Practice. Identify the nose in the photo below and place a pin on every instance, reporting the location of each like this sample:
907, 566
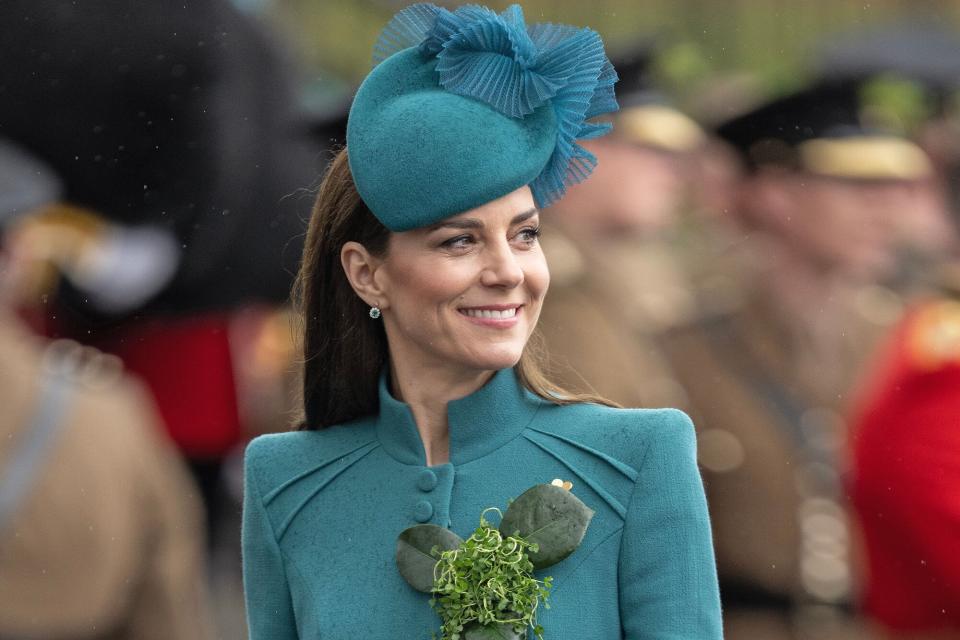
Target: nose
502, 267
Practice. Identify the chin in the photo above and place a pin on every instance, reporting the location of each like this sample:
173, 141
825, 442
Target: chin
496, 359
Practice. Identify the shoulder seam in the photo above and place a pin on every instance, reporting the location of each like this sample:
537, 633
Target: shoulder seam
285, 525
621, 466
633, 493
255, 483
273, 493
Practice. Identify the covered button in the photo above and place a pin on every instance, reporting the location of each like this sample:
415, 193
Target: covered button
427, 481
423, 511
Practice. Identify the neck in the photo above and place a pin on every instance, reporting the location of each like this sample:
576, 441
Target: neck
427, 391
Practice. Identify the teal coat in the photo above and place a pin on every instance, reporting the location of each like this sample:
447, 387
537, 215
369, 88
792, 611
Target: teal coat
323, 509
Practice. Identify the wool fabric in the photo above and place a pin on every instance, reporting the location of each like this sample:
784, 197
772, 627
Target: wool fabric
466, 106
419, 154
323, 509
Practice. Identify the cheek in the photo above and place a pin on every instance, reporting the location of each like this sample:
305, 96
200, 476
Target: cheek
537, 275
426, 302
421, 284
820, 217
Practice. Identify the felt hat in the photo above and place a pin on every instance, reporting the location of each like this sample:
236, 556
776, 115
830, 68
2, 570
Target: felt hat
463, 107
821, 130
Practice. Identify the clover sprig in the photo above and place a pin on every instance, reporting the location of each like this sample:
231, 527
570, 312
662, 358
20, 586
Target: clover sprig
488, 579
483, 587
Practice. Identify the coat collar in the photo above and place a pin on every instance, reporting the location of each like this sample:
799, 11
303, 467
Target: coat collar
480, 423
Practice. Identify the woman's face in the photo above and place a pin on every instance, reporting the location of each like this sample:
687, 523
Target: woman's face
467, 291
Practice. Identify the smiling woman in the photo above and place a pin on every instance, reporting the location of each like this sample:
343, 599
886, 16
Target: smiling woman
459, 298
420, 289
346, 245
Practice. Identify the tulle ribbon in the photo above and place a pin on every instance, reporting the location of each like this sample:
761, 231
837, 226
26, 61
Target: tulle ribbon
517, 68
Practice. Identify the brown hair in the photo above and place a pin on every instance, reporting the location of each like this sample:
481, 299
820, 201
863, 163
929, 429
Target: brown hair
343, 350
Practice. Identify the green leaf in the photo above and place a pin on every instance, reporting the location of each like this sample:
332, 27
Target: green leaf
550, 517
414, 558
478, 631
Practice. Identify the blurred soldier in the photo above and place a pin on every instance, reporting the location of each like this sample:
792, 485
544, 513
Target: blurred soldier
906, 476
905, 450
614, 280
766, 381
909, 73
176, 131
100, 526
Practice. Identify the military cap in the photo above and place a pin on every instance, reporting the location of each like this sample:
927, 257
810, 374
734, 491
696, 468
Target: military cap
821, 129
647, 116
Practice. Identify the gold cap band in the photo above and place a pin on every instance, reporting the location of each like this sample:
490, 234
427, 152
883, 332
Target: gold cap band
658, 126
865, 158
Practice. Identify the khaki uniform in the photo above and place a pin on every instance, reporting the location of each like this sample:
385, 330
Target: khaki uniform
107, 542
603, 305
767, 404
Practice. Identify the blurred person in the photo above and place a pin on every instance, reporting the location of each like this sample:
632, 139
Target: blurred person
908, 74
903, 450
905, 454
101, 530
596, 323
818, 209
176, 131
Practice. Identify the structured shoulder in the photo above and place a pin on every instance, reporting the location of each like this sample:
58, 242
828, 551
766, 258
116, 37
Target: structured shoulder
273, 459
610, 450
625, 435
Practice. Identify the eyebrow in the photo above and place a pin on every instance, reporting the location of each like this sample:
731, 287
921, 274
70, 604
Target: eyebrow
475, 223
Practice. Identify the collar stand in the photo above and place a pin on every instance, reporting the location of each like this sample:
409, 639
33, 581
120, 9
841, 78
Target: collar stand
479, 423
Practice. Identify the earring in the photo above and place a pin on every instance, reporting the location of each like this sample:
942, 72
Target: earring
374, 312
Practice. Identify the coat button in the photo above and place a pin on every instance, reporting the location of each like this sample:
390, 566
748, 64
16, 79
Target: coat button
427, 481
423, 511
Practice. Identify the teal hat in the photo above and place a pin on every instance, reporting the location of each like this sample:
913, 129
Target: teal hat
463, 107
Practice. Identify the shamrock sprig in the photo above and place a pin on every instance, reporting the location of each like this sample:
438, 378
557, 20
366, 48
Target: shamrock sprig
483, 587
488, 579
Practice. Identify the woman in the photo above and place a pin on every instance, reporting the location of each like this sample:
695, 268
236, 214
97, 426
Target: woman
420, 287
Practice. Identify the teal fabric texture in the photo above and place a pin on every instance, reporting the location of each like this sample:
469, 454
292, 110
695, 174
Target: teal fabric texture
466, 106
323, 509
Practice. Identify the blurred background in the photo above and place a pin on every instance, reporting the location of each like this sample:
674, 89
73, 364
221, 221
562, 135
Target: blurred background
769, 242
770, 41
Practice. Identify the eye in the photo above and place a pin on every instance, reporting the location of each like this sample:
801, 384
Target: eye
458, 242
529, 235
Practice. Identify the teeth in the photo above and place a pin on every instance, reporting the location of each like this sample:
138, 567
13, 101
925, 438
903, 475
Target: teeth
487, 313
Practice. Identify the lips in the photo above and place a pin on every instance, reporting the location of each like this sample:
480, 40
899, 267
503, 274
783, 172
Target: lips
488, 313
492, 312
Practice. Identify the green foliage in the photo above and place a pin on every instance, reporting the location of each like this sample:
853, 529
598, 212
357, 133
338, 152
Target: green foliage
551, 518
895, 103
417, 551
477, 631
485, 588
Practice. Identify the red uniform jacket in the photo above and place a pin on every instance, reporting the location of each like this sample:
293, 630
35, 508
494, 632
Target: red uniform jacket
905, 485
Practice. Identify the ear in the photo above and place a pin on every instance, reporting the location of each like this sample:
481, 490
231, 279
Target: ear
360, 267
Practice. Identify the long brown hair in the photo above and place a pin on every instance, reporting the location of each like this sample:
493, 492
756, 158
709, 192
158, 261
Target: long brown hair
344, 351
